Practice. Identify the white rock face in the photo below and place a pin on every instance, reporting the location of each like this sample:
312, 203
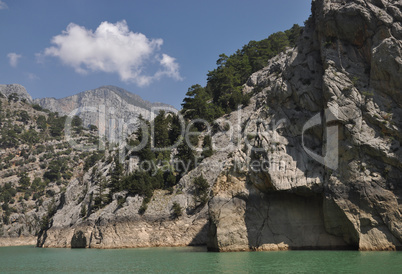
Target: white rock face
106, 107
17, 89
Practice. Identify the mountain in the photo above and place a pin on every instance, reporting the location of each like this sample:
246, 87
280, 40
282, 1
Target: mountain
113, 102
36, 164
312, 161
19, 90
38, 161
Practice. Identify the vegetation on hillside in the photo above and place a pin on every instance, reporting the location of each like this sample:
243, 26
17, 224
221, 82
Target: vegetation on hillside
223, 91
37, 163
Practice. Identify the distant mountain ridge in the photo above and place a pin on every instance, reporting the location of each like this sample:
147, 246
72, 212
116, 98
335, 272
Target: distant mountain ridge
100, 95
118, 104
115, 103
103, 92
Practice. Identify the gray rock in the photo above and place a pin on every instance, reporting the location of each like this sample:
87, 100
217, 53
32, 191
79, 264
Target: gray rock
17, 89
108, 107
348, 62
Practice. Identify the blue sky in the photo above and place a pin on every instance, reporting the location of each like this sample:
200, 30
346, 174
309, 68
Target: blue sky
156, 49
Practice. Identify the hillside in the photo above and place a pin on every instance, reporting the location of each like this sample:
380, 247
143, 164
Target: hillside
298, 148
337, 187
36, 164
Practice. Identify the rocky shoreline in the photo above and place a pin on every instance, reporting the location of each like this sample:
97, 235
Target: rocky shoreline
20, 241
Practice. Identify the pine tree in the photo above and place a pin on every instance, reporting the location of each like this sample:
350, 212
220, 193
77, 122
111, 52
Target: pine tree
207, 147
116, 176
24, 181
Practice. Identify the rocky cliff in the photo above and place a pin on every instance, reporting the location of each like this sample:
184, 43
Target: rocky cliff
313, 162
19, 90
36, 164
104, 104
36, 160
347, 70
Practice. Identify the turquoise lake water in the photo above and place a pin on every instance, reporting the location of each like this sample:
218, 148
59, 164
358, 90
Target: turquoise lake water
195, 260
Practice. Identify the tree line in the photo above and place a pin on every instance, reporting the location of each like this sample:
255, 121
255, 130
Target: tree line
223, 91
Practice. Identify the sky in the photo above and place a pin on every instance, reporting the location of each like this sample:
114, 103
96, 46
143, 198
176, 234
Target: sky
156, 49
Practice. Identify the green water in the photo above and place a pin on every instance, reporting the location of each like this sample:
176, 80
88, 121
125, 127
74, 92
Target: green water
195, 260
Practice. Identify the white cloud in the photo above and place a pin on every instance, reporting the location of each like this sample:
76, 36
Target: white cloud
13, 58
170, 67
112, 48
3, 5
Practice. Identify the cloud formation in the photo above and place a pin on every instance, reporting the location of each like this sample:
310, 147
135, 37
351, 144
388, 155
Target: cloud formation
113, 48
3, 5
13, 59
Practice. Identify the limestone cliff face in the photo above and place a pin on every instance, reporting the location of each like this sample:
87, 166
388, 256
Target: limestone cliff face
122, 226
347, 70
313, 162
108, 104
17, 89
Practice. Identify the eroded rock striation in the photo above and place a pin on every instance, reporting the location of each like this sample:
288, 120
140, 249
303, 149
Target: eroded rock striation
346, 68
103, 106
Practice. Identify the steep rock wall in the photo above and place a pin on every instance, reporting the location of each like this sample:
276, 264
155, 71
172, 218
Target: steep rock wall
345, 72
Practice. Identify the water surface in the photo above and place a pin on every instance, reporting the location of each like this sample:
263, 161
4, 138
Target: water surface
195, 260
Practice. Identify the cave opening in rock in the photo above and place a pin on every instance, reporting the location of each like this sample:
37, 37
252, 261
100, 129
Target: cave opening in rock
78, 240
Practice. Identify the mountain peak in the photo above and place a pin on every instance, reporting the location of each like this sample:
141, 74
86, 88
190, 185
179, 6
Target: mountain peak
17, 89
118, 103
